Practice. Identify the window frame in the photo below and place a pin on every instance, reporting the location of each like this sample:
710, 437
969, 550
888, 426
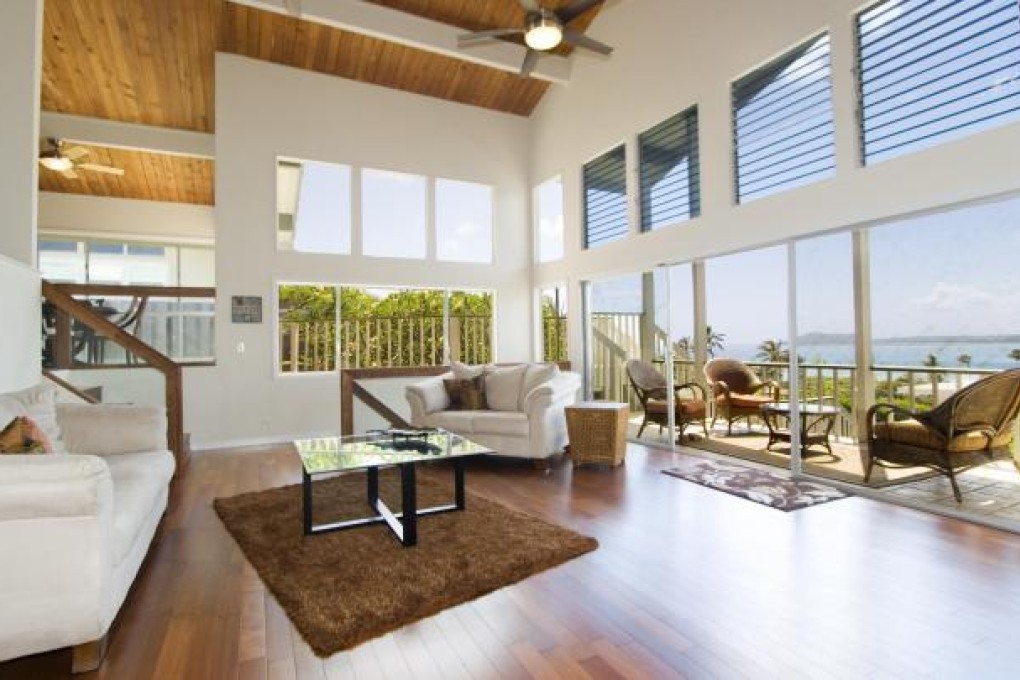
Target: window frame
585, 244
691, 119
803, 180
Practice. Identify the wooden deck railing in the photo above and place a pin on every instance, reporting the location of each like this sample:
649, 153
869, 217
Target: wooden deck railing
70, 313
384, 342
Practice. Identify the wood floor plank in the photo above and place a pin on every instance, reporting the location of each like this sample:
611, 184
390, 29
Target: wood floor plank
687, 583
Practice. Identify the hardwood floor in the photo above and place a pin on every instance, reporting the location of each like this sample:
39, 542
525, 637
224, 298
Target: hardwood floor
688, 582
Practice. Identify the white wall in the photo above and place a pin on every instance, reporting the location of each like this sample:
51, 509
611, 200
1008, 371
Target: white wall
671, 54
125, 219
265, 110
20, 336
20, 68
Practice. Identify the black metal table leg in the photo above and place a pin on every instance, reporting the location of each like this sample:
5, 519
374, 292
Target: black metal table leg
373, 486
306, 491
409, 505
458, 483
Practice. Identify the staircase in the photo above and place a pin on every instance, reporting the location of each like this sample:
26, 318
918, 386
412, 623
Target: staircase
85, 336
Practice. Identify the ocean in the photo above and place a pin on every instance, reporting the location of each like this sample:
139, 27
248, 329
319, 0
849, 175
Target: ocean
993, 355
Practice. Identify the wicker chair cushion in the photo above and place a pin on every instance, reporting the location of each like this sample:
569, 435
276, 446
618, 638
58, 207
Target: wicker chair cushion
691, 408
744, 400
913, 433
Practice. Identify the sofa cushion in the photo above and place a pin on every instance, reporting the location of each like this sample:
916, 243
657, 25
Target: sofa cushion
466, 395
139, 482
503, 388
38, 403
498, 422
454, 421
535, 375
22, 436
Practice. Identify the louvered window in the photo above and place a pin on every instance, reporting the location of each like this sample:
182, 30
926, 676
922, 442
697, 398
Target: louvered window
605, 198
934, 69
782, 119
669, 172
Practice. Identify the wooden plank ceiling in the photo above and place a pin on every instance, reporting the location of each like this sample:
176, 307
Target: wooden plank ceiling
147, 176
152, 62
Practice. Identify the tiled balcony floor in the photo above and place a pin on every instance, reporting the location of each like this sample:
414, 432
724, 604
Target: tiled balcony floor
992, 490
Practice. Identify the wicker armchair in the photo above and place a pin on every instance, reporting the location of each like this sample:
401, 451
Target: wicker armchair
971, 428
650, 387
737, 391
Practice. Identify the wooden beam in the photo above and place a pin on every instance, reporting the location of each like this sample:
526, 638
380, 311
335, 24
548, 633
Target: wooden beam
407, 29
129, 136
114, 290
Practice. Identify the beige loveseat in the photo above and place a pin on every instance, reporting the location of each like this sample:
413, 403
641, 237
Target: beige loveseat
75, 526
524, 418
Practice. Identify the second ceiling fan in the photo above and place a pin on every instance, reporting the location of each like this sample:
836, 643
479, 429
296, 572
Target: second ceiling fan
543, 30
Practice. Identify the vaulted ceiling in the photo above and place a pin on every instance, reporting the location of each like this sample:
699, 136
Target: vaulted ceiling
151, 62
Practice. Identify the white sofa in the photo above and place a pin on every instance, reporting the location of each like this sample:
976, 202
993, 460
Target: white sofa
75, 528
531, 424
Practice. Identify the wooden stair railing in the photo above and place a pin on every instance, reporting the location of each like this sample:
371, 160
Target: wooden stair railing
73, 389
69, 308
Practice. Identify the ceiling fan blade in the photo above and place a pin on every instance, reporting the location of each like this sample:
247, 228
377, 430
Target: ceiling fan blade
95, 167
575, 9
69, 174
480, 36
581, 40
530, 59
74, 152
530, 5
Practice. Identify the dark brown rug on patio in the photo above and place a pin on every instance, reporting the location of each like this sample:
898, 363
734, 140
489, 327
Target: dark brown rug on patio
345, 587
760, 486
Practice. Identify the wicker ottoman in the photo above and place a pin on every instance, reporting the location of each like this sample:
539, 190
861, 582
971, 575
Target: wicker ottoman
597, 432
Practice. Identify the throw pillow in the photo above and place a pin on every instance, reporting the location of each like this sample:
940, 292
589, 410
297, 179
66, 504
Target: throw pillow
467, 372
39, 404
466, 395
535, 376
23, 436
503, 387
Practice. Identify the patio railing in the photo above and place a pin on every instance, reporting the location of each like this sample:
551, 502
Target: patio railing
912, 387
383, 342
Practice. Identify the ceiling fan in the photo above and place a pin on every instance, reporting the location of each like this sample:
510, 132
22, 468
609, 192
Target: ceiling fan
67, 159
543, 30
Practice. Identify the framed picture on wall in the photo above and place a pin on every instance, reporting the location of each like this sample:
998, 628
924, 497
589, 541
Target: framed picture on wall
246, 308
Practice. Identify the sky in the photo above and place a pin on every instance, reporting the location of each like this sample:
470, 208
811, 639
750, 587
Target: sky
952, 273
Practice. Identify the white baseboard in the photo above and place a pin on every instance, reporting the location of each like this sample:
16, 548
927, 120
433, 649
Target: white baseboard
200, 444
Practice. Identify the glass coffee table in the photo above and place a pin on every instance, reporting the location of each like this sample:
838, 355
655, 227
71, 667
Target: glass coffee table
403, 449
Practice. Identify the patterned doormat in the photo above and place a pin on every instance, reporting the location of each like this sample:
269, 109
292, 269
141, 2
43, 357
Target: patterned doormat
760, 486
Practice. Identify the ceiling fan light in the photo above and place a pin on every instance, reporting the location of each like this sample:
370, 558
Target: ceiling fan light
544, 33
58, 163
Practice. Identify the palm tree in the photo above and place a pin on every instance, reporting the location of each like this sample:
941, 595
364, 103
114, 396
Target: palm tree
1014, 354
932, 361
682, 348
713, 341
965, 359
773, 351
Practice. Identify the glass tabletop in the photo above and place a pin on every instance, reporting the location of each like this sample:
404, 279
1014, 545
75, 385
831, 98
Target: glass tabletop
375, 449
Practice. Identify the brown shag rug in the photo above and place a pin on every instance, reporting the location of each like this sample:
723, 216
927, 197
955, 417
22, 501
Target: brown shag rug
345, 587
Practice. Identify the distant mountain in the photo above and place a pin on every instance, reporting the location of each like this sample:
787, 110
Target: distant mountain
848, 339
